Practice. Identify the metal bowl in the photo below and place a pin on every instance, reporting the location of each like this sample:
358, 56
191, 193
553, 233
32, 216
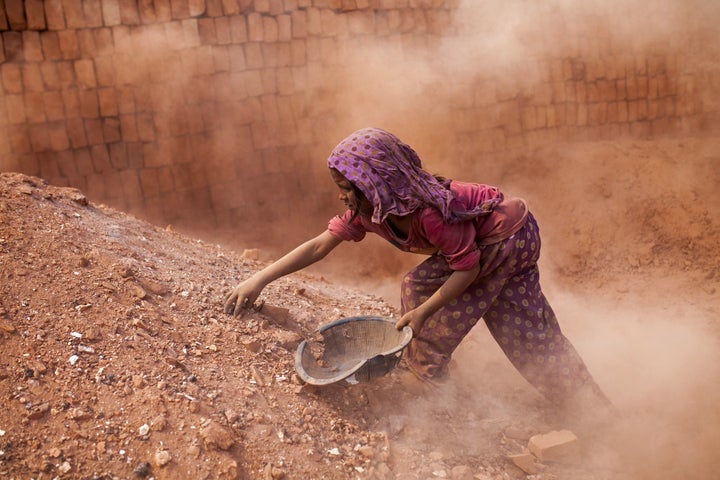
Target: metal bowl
355, 349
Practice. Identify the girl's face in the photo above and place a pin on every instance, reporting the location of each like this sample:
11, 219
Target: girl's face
352, 197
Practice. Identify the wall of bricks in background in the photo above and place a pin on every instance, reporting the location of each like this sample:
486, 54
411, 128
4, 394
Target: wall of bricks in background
186, 110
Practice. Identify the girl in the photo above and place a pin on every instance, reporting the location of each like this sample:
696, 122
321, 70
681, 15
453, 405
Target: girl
483, 248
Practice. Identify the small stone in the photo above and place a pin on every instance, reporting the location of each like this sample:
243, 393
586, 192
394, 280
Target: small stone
142, 470
251, 253
231, 415
367, 451
193, 451
65, 467
144, 430
138, 381
461, 472
214, 435
159, 423
55, 452
162, 458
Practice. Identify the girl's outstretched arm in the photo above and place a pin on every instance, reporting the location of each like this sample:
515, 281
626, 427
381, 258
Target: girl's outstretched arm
453, 286
244, 295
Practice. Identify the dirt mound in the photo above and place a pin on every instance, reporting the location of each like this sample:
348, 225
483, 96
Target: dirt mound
118, 363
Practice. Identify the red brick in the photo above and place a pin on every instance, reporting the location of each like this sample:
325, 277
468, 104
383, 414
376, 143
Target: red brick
13, 46
135, 152
196, 7
230, 7
54, 108
206, 31
146, 127
100, 158
34, 108
69, 44
86, 43
93, 13
76, 132
222, 30
3, 58
50, 45
71, 100
179, 9
103, 41
19, 138
105, 70
238, 29
54, 14
58, 137
94, 131
66, 163
32, 48
126, 100
146, 10
35, 14
89, 107
214, 8
108, 102
118, 155
15, 109
74, 14
111, 12
111, 129
129, 14
149, 182
83, 161
39, 140
3, 20
15, 14
85, 73
11, 77
66, 75
128, 128
32, 78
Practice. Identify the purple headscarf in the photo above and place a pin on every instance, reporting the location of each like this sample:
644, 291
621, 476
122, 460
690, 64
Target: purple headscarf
390, 174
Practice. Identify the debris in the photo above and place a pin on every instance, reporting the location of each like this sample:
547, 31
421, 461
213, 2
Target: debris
162, 458
214, 435
526, 462
555, 446
251, 253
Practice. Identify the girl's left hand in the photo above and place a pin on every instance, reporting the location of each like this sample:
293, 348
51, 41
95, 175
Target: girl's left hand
414, 319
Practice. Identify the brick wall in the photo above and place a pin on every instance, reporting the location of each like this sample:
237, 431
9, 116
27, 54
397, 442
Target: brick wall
221, 112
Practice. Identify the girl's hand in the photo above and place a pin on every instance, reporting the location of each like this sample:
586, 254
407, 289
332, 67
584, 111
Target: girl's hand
414, 319
242, 297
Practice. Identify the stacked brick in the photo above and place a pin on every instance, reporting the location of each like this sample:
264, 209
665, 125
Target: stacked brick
188, 109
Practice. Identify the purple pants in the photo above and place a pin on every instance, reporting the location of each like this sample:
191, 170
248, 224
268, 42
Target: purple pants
507, 295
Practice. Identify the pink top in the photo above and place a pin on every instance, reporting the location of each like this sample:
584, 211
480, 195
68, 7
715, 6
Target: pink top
430, 234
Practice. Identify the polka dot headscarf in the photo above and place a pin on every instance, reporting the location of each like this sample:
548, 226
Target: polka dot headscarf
390, 175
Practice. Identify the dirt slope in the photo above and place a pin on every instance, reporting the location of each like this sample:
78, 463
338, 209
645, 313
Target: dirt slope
117, 362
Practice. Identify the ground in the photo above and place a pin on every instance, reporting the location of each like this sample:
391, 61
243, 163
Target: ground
117, 362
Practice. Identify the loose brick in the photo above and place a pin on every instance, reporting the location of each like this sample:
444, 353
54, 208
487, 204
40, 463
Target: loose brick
555, 446
69, 45
76, 132
15, 109
53, 104
57, 135
15, 14
11, 77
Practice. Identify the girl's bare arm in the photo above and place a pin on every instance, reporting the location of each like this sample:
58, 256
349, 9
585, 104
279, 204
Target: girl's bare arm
244, 295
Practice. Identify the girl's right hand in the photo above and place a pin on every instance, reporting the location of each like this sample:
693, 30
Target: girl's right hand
242, 297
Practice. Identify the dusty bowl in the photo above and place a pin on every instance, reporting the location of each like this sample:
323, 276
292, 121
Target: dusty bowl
354, 349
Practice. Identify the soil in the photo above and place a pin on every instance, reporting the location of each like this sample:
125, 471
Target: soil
116, 360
